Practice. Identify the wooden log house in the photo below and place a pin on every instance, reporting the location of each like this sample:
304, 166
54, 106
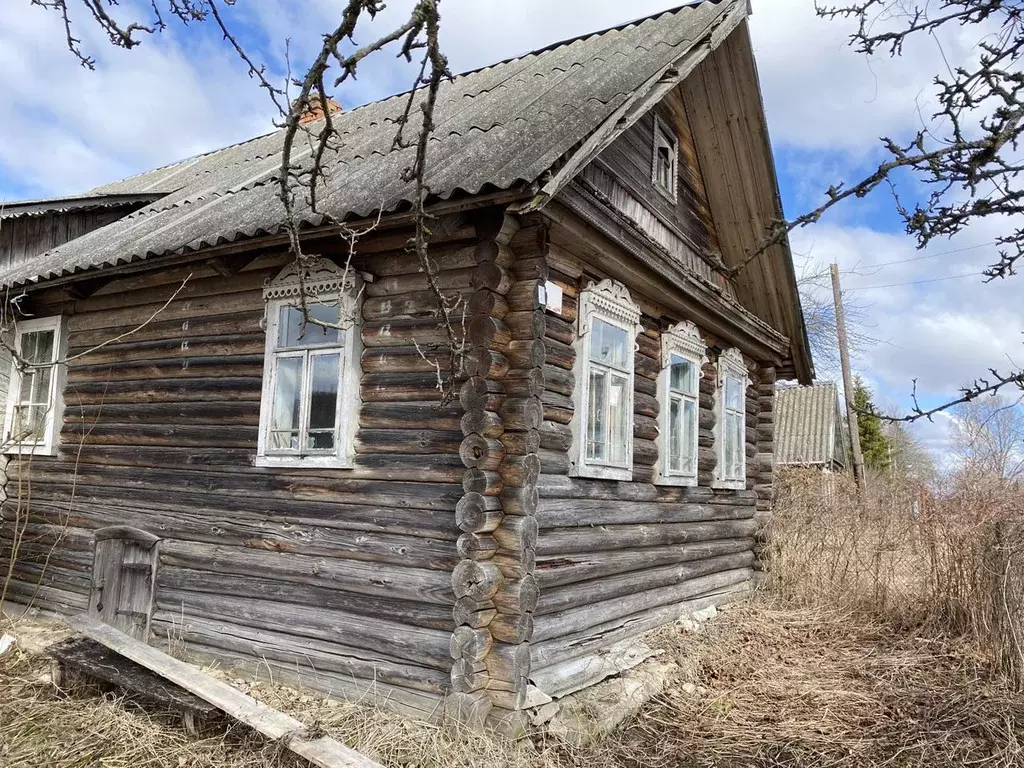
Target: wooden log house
308, 504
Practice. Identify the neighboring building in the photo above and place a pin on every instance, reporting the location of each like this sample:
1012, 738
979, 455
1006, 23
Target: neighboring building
810, 429
298, 500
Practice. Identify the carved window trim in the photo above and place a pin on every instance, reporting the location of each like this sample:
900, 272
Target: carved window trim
683, 340
665, 140
324, 283
731, 365
610, 302
47, 446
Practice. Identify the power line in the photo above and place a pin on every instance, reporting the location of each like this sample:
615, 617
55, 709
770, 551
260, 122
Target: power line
915, 282
930, 256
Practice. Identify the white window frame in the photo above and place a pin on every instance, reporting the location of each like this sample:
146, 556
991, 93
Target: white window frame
666, 138
322, 281
681, 340
730, 366
611, 302
55, 397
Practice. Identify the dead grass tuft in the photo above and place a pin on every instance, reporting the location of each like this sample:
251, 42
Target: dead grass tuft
801, 687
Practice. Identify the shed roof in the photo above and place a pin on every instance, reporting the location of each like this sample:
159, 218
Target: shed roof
499, 127
809, 426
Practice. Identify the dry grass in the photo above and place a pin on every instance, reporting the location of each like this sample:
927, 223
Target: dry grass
799, 687
890, 639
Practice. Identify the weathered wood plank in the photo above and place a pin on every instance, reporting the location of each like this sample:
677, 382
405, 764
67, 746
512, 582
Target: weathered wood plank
322, 751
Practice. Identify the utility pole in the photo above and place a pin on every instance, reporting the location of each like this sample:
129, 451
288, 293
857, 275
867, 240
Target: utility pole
844, 357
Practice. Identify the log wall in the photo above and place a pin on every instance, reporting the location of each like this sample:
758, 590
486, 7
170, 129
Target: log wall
343, 575
614, 559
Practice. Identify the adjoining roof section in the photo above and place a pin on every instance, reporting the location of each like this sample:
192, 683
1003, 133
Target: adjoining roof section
809, 427
504, 127
74, 203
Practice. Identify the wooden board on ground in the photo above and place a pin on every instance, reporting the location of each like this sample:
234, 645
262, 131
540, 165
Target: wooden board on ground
322, 751
96, 661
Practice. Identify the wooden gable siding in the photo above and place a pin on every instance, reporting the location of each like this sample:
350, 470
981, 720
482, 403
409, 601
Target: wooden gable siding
23, 237
345, 572
622, 174
723, 101
614, 559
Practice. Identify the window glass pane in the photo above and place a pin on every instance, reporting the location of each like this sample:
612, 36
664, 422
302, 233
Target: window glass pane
285, 411
734, 438
675, 430
37, 346
689, 440
291, 332
734, 394
35, 386
323, 409
683, 375
29, 423
609, 344
665, 167
619, 421
597, 428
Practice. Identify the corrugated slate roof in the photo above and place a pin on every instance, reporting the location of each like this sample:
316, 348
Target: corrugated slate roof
89, 202
497, 128
808, 426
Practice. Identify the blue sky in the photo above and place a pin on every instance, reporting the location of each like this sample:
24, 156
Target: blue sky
66, 129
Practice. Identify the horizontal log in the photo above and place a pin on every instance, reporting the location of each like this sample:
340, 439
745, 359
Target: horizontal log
510, 663
400, 387
426, 415
321, 655
476, 546
477, 393
521, 443
393, 286
594, 614
559, 329
485, 363
520, 471
180, 435
492, 277
511, 628
483, 482
522, 414
478, 452
470, 644
558, 354
175, 584
553, 462
476, 513
486, 423
555, 436
526, 353
426, 647
516, 534
526, 325
243, 414
164, 391
595, 639
358, 577
515, 565
404, 360
476, 580
611, 537
204, 326
561, 513
524, 382
488, 332
524, 295
520, 501
418, 304
426, 334
473, 613
624, 586
519, 596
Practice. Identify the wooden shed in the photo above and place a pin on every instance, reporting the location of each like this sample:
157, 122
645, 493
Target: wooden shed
297, 499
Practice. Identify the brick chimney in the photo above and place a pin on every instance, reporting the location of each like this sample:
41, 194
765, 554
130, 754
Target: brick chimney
312, 108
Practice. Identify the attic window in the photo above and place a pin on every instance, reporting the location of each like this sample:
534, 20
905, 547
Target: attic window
666, 153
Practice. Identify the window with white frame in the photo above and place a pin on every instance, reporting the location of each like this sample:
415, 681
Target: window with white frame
34, 395
311, 370
731, 426
666, 154
608, 323
682, 355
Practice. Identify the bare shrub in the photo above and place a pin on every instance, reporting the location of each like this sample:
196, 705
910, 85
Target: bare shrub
947, 561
